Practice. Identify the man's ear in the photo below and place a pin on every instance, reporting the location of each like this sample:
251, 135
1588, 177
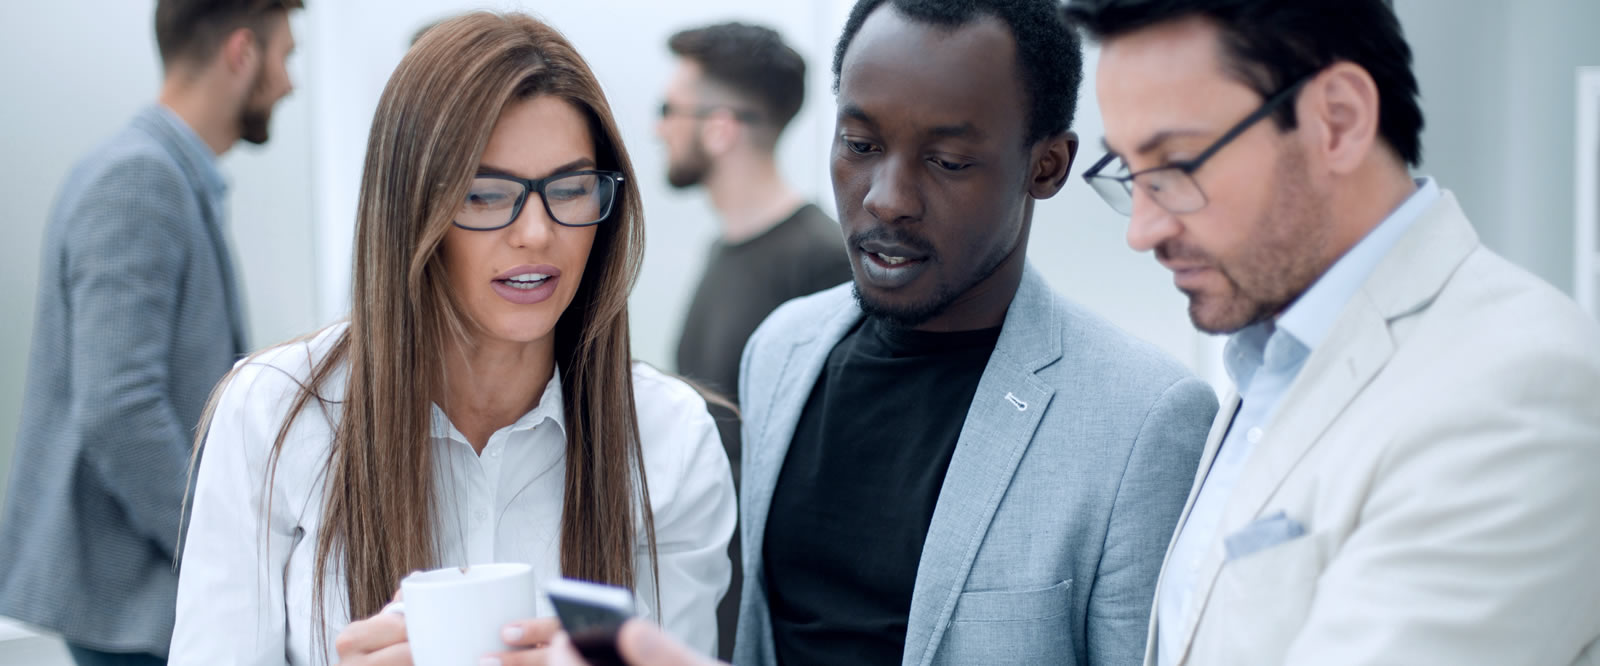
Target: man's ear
1342, 105
719, 132
1052, 162
240, 51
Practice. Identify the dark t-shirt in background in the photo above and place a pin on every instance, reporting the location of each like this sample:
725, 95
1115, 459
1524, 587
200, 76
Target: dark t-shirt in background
858, 488
742, 284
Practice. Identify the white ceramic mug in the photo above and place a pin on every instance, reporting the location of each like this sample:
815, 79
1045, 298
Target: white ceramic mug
454, 615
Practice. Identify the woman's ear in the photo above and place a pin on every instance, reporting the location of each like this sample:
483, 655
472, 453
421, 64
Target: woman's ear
1052, 162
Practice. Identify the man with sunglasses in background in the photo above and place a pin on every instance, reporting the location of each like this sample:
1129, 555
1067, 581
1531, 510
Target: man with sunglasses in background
1407, 471
735, 89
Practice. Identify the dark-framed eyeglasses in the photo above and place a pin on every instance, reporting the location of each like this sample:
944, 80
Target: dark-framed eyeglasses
573, 198
669, 110
1172, 186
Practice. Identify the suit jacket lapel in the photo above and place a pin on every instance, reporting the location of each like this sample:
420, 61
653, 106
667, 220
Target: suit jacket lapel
161, 129
1356, 349
1219, 429
795, 381
1000, 423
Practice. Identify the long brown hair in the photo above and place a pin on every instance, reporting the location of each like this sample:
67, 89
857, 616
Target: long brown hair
379, 519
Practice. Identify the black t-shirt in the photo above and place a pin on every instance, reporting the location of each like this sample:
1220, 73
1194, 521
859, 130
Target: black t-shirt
858, 487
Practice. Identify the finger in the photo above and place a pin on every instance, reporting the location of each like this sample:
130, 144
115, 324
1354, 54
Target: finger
641, 642
398, 654
562, 652
371, 635
535, 632
529, 657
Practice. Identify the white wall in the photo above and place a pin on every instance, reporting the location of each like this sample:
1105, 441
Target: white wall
1499, 87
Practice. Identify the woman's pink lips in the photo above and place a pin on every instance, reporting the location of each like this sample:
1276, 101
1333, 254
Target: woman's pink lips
519, 296
542, 269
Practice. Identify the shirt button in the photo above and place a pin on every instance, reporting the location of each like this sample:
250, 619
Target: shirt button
1254, 435
495, 453
481, 515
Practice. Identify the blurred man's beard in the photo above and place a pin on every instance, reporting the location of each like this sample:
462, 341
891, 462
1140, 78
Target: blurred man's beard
255, 118
254, 123
691, 170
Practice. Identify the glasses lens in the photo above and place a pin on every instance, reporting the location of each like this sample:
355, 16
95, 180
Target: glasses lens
580, 199
489, 204
1172, 189
1114, 192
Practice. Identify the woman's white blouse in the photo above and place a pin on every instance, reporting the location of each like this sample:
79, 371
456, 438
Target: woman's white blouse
245, 584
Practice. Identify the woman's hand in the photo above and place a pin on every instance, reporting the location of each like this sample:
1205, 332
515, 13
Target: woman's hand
529, 640
379, 640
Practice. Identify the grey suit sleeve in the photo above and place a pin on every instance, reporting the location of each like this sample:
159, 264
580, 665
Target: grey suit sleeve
125, 255
1155, 485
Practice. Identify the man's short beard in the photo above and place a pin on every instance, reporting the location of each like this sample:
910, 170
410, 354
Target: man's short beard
255, 121
254, 125
1288, 255
916, 314
691, 170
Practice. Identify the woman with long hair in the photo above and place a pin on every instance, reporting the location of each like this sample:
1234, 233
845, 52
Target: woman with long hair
480, 404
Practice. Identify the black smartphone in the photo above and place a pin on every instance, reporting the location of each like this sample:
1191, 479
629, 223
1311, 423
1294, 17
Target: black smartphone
591, 614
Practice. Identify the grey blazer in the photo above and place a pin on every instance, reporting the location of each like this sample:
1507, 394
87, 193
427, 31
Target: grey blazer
1069, 474
138, 317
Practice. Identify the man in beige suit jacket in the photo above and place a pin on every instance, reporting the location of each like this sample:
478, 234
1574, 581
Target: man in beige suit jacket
1409, 469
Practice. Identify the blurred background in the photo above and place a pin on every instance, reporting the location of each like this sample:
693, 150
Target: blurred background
1500, 90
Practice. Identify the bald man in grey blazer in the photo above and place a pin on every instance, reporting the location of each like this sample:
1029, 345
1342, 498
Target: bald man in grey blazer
139, 314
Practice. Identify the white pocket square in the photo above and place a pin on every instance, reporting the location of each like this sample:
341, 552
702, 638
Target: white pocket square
1263, 533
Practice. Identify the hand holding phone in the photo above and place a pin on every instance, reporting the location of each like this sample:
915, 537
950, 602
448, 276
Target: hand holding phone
591, 614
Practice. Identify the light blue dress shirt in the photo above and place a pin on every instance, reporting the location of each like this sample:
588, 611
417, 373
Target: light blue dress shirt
215, 184
1263, 360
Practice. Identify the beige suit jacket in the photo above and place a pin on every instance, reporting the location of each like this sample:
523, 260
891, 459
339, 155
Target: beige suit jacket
1441, 449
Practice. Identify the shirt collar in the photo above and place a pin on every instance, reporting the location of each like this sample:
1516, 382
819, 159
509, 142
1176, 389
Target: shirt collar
194, 148
550, 408
1312, 315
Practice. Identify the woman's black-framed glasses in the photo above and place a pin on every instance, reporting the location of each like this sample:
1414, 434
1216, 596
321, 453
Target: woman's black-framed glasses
1172, 186
573, 198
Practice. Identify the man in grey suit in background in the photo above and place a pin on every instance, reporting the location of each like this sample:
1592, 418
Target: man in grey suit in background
139, 315
955, 465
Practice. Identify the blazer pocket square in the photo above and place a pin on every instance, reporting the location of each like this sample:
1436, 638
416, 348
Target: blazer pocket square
1262, 534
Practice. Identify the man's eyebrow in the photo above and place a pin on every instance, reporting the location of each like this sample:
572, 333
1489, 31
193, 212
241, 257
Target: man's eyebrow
580, 163
854, 112
1154, 142
960, 131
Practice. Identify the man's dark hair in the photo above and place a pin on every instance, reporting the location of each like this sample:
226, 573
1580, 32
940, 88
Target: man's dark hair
193, 30
753, 62
1270, 44
1049, 54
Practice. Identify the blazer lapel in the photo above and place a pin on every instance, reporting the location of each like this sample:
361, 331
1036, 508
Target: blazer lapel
1000, 423
1219, 429
177, 146
1356, 349
795, 381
